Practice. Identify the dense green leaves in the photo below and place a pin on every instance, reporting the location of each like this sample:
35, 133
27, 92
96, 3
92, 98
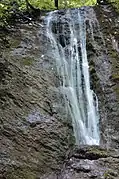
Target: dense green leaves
49, 4
9, 7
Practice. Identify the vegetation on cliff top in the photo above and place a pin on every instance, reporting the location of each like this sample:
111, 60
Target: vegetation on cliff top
9, 8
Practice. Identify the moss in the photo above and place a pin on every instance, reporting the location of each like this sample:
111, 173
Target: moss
115, 77
98, 152
106, 175
27, 61
116, 89
92, 69
21, 174
110, 174
15, 43
113, 53
72, 140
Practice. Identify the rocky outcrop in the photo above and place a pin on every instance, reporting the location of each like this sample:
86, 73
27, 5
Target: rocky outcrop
104, 57
91, 162
34, 137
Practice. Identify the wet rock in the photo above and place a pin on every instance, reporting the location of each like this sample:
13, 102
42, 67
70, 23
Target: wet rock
100, 168
34, 138
105, 62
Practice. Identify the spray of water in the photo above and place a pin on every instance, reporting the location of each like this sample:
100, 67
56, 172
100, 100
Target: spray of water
69, 47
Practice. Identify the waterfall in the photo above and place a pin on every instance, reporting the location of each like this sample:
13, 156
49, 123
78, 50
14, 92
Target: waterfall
67, 35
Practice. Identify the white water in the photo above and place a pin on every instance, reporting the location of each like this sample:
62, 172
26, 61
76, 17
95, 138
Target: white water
72, 66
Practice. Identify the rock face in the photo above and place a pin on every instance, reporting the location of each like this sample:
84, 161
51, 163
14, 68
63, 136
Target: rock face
36, 135
105, 59
91, 162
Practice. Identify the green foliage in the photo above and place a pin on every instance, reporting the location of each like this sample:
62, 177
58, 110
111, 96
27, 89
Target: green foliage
3, 13
116, 4
76, 3
9, 7
43, 4
49, 4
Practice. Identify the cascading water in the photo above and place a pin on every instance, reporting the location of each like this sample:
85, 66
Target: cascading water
67, 34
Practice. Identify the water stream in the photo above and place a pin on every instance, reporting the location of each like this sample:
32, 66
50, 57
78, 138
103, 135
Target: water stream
67, 35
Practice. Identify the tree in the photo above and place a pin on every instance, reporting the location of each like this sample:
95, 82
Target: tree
11, 8
103, 2
56, 4
34, 11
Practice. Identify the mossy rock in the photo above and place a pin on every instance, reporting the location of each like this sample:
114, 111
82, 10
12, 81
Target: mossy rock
92, 70
90, 152
110, 174
15, 43
97, 153
27, 61
113, 54
21, 174
115, 77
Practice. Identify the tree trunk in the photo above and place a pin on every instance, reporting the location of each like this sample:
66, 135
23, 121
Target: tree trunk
35, 11
56, 4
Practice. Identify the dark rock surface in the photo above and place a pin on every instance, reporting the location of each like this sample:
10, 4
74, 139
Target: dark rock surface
34, 137
105, 60
91, 162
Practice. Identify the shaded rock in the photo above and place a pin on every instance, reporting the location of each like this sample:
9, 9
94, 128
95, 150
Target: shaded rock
103, 59
100, 168
34, 136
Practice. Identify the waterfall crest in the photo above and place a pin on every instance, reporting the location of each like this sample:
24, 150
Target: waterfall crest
67, 35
